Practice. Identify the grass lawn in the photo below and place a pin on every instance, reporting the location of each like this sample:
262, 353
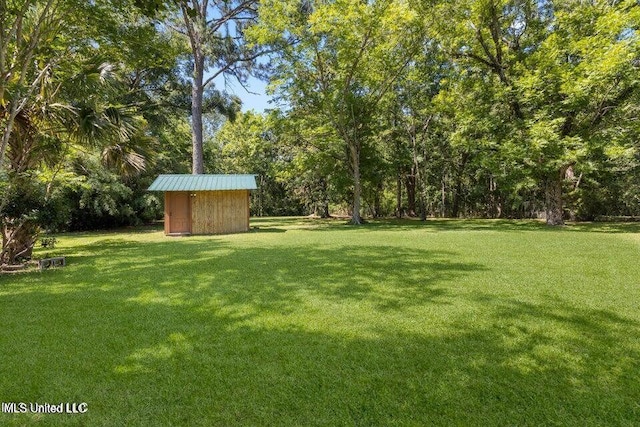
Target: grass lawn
306, 322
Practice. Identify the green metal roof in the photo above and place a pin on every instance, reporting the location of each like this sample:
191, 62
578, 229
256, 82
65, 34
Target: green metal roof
203, 183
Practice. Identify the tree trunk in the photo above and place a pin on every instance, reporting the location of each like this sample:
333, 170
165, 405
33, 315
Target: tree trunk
399, 195
17, 242
455, 208
422, 197
419, 183
7, 123
458, 184
354, 149
494, 209
377, 200
196, 114
444, 199
553, 199
423, 206
410, 184
324, 204
324, 210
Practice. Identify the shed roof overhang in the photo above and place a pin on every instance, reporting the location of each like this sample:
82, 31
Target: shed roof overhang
175, 182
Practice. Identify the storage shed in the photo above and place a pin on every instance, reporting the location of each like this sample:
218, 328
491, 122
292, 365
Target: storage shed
205, 204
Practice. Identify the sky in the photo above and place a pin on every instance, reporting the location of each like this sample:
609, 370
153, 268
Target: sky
257, 101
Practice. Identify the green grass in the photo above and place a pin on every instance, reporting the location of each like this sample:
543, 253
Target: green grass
305, 322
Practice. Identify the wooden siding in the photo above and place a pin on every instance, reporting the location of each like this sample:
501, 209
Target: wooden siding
215, 212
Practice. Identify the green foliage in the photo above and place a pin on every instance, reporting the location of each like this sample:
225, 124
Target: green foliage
86, 123
346, 58
496, 108
48, 241
250, 145
539, 81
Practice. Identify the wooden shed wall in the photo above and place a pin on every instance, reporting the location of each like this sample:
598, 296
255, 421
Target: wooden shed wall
214, 212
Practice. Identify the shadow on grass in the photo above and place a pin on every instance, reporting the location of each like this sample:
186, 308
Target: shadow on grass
267, 229
139, 229
189, 271
155, 364
199, 332
437, 225
509, 373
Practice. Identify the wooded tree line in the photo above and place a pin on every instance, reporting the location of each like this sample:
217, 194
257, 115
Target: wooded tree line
470, 108
483, 108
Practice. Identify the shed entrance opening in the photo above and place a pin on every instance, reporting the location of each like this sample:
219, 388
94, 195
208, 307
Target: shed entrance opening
179, 212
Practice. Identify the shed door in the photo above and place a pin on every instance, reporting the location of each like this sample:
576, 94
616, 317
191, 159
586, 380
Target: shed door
179, 212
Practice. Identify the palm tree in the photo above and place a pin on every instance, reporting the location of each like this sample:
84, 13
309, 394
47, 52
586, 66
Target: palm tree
78, 114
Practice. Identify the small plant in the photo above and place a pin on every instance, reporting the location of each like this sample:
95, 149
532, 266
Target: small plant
48, 242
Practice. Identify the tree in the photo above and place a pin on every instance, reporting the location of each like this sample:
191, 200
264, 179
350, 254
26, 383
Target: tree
411, 121
73, 102
314, 170
44, 138
251, 144
28, 54
560, 67
215, 31
346, 57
